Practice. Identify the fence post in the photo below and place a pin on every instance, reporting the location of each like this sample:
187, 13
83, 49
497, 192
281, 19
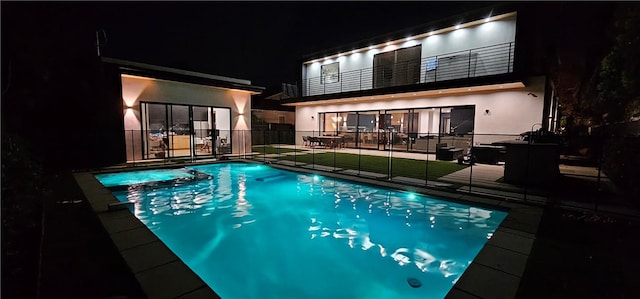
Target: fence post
313, 152
509, 59
359, 156
390, 158
133, 149
598, 189
469, 66
435, 73
471, 162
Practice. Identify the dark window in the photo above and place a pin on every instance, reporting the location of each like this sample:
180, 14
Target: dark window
399, 67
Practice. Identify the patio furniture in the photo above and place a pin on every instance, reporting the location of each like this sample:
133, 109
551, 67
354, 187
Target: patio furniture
330, 141
223, 147
313, 141
488, 154
446, 153
157, 146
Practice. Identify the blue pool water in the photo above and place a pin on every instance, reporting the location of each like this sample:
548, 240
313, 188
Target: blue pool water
252, 231
143, 176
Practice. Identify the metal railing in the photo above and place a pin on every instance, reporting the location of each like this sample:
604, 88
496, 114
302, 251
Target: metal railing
481, 164
477, 62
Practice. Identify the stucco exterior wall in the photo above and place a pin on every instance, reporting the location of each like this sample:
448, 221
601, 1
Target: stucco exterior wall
511, 112
487, 34
136, 89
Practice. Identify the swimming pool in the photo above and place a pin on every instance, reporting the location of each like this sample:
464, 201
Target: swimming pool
253, 231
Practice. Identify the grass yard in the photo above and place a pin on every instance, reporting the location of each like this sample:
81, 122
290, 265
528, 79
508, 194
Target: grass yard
399, 166
273, 150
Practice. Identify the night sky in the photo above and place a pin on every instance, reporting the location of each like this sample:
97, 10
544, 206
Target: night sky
260, 41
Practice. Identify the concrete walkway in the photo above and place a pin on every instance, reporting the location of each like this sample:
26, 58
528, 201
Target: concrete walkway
481, 175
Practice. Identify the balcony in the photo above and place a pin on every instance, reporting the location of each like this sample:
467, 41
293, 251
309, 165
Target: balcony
472, 63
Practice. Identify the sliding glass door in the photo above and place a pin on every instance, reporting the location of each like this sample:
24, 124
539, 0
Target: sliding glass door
414, 130
179, 135
154, 127
171, 130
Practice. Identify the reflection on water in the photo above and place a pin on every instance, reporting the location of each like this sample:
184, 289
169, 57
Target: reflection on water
424, 226
298, 216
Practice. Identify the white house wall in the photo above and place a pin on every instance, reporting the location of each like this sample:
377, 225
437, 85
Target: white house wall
136, 89
511, 112
483, 35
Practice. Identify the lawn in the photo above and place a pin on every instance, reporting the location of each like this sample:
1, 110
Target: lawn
272, 150
399, 166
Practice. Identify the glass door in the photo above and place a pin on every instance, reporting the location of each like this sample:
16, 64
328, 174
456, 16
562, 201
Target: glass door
368, 129
203, 130
179, 131
154, 131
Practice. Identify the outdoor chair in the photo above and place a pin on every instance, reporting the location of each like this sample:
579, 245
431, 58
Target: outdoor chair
305, 141
156, 145
313, 141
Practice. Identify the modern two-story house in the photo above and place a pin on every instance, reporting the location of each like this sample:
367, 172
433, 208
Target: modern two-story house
177, 113
462, 80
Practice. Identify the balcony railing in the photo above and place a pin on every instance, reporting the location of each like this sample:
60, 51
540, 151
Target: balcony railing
478, 62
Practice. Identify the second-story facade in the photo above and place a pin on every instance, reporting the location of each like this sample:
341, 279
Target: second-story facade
464, 78
475, 49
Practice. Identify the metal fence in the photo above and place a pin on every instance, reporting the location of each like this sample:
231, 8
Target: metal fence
501, 166
477, 62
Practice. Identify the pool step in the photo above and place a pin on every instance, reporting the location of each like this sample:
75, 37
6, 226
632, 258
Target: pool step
117, 206
271, 177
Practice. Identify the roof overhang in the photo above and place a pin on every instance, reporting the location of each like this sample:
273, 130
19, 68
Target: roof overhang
434, 93
129, 68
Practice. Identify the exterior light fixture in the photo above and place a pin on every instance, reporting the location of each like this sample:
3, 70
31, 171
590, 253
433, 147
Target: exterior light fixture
458, 26
487, 19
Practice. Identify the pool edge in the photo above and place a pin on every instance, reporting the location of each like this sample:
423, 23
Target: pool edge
161, 274
488, 276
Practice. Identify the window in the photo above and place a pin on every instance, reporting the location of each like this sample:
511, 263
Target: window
399, 67
330, 73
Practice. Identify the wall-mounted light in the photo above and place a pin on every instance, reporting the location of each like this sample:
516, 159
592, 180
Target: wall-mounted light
313, 117
487, 112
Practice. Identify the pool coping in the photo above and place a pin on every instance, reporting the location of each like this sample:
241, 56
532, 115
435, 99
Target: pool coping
494, 273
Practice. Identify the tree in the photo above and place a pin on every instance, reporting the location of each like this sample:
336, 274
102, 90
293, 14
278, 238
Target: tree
618, 87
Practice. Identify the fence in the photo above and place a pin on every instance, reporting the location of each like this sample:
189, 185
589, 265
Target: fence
499, 165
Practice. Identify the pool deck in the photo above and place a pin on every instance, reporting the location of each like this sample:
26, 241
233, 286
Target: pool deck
495, 272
